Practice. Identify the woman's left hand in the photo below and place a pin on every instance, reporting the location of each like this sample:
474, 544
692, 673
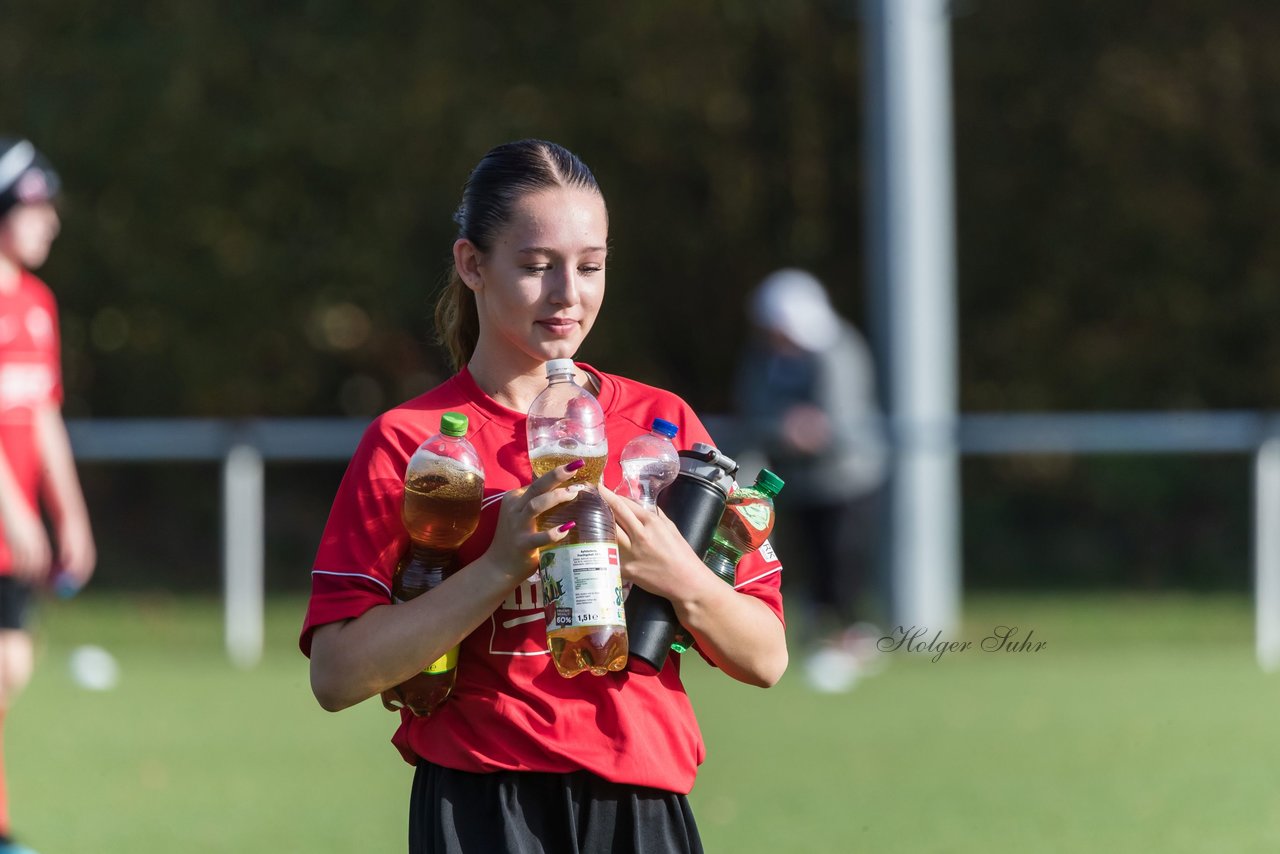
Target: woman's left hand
654, 553
735, 630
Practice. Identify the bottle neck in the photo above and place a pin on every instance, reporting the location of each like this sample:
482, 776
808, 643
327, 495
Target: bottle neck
751, 493
768, 488
422, 572
430, 563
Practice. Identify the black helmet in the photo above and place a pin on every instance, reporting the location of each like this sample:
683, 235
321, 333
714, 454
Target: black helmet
25, 175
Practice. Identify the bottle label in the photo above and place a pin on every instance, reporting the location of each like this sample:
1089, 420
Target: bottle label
582, 585
754, 513
444, 663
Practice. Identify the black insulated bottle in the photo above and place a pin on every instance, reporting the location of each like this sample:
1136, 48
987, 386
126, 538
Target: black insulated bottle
694, 502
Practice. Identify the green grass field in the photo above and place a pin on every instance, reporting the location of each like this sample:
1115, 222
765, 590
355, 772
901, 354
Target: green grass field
1143, 725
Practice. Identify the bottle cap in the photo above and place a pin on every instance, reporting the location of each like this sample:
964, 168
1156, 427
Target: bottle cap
560, 366
454, 424
769, 482
665, 427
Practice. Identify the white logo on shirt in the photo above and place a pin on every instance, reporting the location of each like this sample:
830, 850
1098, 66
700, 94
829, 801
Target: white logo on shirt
767, 552
526, 597
510, 624
24, 385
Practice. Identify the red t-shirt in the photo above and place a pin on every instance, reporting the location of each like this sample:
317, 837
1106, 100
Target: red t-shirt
510, 708
30, 379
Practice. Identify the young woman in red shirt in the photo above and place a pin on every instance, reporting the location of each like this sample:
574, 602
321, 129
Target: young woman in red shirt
520, 758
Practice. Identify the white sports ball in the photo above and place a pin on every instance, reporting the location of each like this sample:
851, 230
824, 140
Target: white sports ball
93, 668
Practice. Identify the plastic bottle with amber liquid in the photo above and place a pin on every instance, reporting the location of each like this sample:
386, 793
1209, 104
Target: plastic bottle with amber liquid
581, 575
747, 521
443, 489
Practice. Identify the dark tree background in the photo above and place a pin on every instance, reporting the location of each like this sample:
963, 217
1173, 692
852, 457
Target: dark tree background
258, 203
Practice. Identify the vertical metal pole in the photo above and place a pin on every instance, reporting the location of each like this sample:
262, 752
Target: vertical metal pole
1266, 554
242, 554
911, 261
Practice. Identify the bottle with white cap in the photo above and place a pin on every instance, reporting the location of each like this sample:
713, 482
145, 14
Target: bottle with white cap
581, 574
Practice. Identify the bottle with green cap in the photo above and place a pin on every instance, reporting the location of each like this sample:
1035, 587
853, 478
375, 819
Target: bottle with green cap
443, 489
747, 521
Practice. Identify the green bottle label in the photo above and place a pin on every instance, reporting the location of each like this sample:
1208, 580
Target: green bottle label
756, 514
444, 663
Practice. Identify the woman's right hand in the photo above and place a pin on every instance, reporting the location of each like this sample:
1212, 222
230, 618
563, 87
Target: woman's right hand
517, 539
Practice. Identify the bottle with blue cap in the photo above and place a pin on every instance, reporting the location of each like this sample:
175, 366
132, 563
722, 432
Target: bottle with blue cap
650, 463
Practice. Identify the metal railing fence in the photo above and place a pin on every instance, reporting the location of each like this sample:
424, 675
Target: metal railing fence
243, 447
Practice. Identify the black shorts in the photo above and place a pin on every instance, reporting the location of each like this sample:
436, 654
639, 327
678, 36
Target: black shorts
523, 812
15, 597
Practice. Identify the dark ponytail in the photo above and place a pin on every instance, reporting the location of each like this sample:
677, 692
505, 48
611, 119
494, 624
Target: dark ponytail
501, 178
457, 323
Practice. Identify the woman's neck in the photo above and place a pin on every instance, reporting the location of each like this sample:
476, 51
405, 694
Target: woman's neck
515, 386
514, 391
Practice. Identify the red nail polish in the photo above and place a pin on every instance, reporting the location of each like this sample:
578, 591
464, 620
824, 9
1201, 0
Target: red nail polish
567, 526
575, 465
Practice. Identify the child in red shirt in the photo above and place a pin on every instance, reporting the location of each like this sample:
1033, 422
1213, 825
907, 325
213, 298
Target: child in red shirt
35, 454
520, 758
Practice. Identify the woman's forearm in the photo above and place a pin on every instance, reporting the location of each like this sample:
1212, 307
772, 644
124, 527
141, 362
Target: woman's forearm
353, 660
738, 632
356, 659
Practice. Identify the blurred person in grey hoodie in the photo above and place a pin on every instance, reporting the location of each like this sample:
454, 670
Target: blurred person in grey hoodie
806, 394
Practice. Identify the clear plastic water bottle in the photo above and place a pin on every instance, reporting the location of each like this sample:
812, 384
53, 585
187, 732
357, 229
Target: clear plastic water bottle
747, 521
650, 463
443, 490
581, 574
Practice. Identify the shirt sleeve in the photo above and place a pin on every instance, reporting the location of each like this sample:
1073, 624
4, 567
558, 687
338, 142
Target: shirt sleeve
759, 574
364, 539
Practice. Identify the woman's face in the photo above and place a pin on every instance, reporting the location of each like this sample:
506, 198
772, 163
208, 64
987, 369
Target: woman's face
539, 287
27, 233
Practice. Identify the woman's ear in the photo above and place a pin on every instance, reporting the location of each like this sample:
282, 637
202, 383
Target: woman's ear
466, 260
